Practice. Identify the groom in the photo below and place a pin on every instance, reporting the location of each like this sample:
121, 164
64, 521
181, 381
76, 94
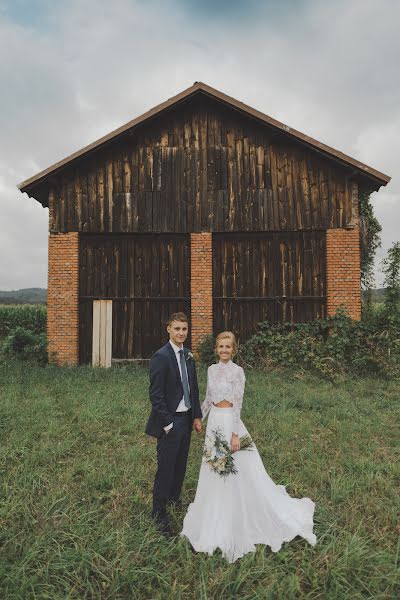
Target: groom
174, 396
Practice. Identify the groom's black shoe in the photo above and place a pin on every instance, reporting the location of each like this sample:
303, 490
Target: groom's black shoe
163, 525
165, 529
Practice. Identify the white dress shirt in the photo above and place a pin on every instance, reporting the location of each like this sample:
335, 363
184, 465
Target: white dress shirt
181, 406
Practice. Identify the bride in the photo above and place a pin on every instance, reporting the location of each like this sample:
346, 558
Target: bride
235, 511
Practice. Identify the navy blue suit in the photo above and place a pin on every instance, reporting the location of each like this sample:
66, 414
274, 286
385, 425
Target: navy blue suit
166, 392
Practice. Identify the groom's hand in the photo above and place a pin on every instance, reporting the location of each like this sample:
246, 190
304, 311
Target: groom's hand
197, 425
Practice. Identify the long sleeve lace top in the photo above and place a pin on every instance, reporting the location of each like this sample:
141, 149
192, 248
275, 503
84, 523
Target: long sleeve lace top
225, 381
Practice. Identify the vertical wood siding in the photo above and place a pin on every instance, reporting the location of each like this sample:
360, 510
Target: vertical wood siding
202, 167
277, 277
146, 277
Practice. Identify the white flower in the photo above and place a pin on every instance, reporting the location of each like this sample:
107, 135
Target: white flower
190, 355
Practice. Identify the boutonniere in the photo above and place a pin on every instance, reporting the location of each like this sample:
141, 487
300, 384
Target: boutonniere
189, 356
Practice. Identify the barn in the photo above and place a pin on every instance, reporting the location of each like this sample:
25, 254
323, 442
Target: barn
202, 204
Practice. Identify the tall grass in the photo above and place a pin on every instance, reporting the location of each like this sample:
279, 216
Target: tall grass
28, 316
76, 483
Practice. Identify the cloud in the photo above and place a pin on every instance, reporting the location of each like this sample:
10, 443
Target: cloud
77, 70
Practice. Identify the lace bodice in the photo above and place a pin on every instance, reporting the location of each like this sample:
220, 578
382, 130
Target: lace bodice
225, 381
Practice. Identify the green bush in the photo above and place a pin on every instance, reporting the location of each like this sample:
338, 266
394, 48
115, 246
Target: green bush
391, 269
29, 316
26, 344
330, 347
206, 350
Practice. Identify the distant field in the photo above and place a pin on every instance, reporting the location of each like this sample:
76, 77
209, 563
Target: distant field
28, 316
25, 296
77, 473
377, 295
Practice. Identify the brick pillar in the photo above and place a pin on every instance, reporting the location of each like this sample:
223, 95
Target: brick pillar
62, 299
201, 286
343, 273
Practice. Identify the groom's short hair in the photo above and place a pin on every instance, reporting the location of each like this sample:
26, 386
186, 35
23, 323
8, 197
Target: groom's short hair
179, 316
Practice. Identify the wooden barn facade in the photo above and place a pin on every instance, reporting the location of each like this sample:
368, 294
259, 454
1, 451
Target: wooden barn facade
205, 205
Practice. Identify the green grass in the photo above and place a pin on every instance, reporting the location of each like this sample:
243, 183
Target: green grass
77, 474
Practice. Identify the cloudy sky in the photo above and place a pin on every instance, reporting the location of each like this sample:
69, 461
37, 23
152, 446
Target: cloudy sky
73, 70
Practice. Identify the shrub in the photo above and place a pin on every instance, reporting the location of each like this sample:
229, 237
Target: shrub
391, 269
26, 344
330, 347
206, 350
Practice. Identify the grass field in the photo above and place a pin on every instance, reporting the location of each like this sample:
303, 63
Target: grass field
77, 473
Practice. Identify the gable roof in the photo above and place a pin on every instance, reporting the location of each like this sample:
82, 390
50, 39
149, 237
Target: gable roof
376, 177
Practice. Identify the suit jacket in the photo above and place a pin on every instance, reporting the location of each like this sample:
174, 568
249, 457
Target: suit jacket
166, 389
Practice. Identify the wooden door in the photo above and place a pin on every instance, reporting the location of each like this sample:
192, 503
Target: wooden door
274, 277
147, 277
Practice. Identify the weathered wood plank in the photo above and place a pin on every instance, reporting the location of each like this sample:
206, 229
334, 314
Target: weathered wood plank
204, 216
314, 194
110, 193
324, 198
305, 186
281, 190
230, 135
275, 209
96, 333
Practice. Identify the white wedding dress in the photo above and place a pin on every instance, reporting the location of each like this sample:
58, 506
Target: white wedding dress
236, 512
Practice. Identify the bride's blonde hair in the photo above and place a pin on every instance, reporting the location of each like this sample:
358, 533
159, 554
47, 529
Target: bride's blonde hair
227, 335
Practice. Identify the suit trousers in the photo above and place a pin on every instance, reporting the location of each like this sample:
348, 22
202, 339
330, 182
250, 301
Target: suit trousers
172, 455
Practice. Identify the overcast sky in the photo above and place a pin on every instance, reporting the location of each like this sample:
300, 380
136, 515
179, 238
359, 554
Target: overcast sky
73, 70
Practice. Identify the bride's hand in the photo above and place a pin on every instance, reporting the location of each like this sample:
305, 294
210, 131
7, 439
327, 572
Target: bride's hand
197, 425
235, 442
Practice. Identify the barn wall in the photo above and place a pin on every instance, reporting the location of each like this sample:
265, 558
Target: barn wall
202, 167
273, 276
205, 170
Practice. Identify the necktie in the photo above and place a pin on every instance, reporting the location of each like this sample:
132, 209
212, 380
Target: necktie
185, 383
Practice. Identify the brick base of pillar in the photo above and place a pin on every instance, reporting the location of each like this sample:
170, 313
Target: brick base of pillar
201, 287
343, 272
63, 299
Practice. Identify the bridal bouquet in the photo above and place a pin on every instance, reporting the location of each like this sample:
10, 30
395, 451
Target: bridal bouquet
219, 456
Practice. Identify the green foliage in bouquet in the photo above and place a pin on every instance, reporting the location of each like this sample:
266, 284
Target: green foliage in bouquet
246, 443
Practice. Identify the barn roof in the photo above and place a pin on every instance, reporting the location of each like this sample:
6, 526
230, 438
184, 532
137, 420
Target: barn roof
375, 177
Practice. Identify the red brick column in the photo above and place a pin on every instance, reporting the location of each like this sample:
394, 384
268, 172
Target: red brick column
201, 286
62, 299
343, 271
